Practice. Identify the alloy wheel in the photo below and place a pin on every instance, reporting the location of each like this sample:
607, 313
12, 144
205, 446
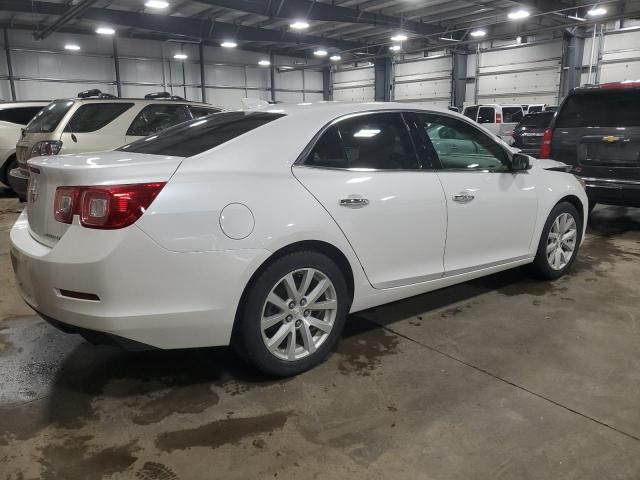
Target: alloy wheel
561, 241
299, 314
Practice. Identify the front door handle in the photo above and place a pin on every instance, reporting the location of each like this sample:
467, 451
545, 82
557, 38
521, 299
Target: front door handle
354, 202
463, 197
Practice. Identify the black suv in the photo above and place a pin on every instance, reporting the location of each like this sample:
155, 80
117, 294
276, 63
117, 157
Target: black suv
527, 136
597, 131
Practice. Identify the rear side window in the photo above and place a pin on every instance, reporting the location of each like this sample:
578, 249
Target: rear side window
487, 115
538, 120
47, 119
512, 114
198, 112
605, 108
199, 135
471, 112
535, 108
94, 116
20, 116
328, 151
154, 118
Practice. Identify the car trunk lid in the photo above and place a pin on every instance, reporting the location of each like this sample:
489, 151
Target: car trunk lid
101, 168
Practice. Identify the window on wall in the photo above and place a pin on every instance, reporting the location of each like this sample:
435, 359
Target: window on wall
462, 146
94, 116
154, 118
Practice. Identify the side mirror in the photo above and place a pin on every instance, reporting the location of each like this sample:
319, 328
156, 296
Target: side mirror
520, 162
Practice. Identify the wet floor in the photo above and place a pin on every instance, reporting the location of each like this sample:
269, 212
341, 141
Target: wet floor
501, 378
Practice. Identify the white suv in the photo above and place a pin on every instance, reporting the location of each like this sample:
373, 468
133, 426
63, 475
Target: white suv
13, 117
498, 119
96, 122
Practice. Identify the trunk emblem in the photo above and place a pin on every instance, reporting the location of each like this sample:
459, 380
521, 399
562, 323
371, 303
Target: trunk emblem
610, 139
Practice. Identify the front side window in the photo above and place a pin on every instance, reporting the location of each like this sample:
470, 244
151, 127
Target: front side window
154, 118
512, 114
19, 115
487, 115
47, 119
91, 117
199, 135
379, 141
462, 146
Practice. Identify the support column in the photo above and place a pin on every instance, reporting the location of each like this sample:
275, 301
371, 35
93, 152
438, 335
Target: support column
458, 78
116, 66
7, 50
203, 88
272, 78
327, 87
382, 79
573, 53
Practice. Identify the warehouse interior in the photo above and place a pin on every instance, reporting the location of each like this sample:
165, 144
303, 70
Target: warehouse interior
500, 377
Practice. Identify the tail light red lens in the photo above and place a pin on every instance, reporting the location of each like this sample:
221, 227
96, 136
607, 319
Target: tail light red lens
498, 118
545, 146
105, 207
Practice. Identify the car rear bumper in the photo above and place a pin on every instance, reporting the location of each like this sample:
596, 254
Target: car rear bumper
613, 191
121, 283
19, 182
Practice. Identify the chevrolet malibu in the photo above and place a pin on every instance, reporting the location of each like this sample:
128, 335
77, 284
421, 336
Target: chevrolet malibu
264, 229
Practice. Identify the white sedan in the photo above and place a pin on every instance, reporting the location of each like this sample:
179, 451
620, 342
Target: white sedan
264, 229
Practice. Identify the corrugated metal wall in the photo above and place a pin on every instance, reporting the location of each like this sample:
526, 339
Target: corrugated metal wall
44, 70
426, 80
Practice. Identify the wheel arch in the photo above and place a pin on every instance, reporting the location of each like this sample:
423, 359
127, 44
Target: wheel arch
576, 202
319, 246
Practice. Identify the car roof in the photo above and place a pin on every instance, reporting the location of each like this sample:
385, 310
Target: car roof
26, 103
137, 100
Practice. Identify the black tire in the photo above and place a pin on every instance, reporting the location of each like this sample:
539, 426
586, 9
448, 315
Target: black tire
10, 164
248, 337
541, 264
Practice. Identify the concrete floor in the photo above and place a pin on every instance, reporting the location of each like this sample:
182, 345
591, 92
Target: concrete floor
500, 378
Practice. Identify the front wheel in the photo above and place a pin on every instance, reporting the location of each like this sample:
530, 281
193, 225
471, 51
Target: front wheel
559, 242
294, 313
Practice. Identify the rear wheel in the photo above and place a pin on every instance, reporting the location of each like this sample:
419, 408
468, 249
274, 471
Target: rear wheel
9, 165
559, 242
294, 313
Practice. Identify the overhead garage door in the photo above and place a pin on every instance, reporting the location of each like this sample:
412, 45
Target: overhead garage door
355, 85
427, 81
522, 74
620, 58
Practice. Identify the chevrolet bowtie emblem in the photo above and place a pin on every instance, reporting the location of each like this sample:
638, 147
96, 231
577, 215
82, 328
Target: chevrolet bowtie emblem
610, 139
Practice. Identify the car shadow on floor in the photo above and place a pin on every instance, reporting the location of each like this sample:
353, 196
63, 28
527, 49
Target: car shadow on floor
98, 371
6, 192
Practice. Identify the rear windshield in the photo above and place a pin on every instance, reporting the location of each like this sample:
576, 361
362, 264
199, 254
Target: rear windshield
511, 114
49, 117
202, 134
605, 108
537, 120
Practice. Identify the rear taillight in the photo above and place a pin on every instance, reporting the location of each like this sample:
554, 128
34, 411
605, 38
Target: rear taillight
498, 118
545, 146
106, 207
46, 147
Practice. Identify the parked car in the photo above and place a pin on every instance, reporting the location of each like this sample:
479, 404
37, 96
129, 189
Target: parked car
13, 117
264, 229
597, 130
498, 119
527, 136
96, 121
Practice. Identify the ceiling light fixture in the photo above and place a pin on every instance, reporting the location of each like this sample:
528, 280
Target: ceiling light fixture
597, 12
105, 31
299, 25
229, 44
518, 14
72, 46
264, 63
478, 33
320, 53
335, 58
395, 48
180, 56
156, 4
399, 37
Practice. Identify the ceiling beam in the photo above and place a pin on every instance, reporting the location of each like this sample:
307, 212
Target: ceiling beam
199, 28
325, 12
71, 13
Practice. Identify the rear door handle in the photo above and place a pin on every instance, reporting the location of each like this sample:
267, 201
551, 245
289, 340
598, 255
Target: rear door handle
354, 202
463, 197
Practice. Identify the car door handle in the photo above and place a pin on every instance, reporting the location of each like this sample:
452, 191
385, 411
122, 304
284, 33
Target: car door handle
463, 197
354, 202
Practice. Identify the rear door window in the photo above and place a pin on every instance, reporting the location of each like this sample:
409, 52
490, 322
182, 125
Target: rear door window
19, 115
199, 135
487, 115
155, 118
328, 151
91, 117
604, 108
512, 114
